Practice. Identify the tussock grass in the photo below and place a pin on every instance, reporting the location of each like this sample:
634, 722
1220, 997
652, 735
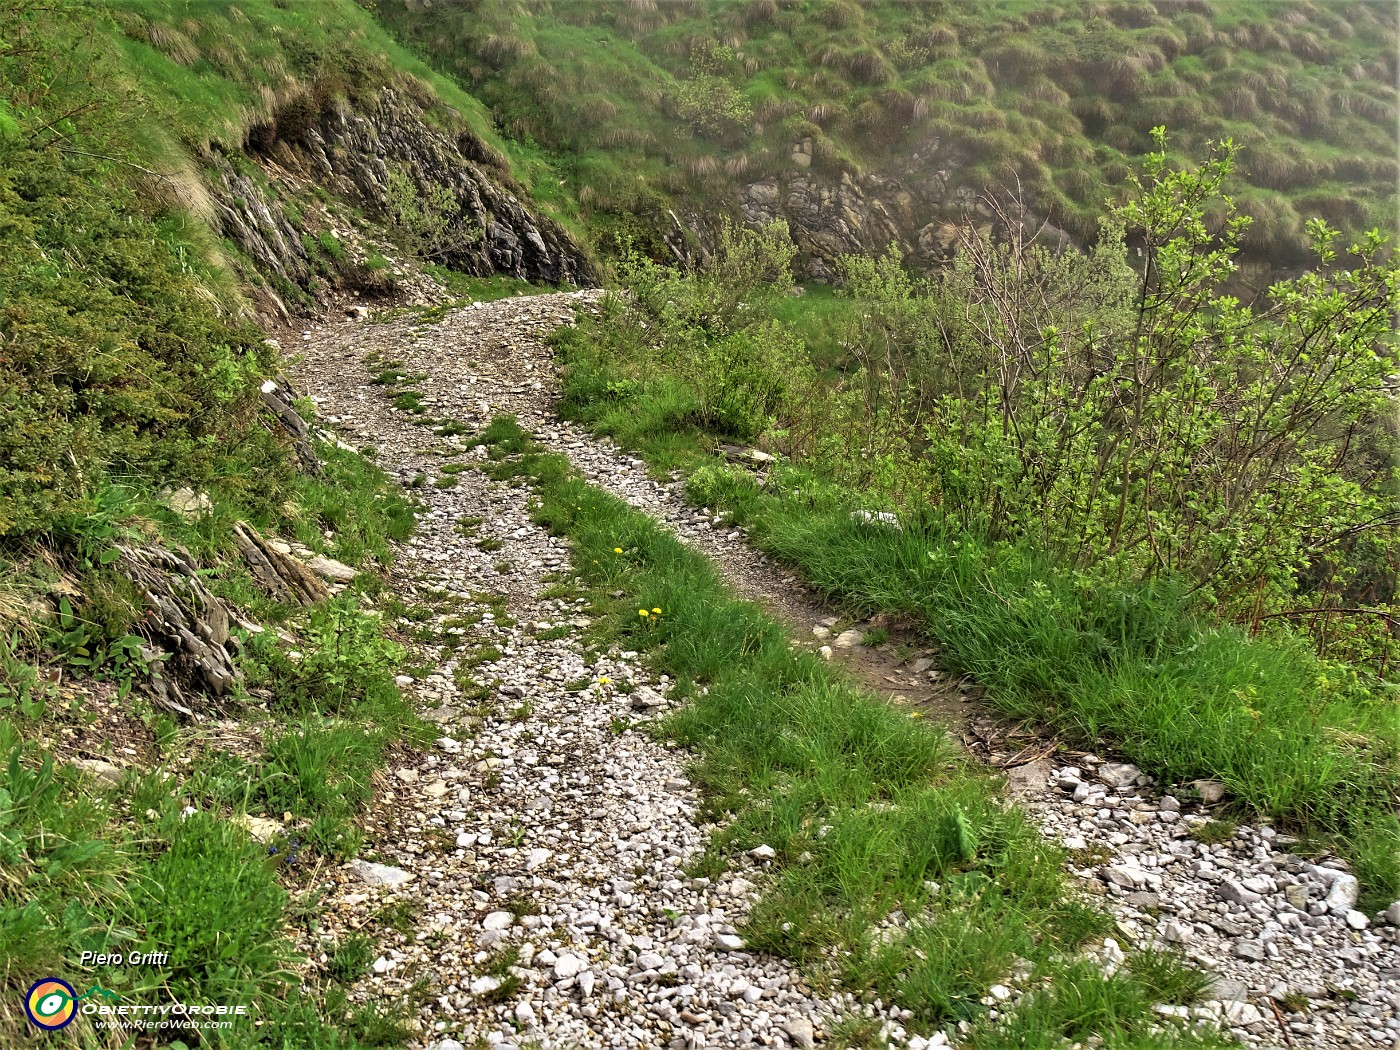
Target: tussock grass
847, 65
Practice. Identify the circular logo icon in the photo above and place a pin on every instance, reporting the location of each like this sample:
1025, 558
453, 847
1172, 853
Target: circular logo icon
51, 1003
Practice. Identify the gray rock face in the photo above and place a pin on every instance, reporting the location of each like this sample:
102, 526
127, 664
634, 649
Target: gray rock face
332, 569
186, 620
1341, 896
351, 152
1237, 894
1211, 791
1119, 774
801, 1031
104, 772
835, 216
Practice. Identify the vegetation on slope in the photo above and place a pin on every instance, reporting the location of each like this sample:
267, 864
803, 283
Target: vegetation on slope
648, 104
223, 74
123, 375
898, 871
1119, 492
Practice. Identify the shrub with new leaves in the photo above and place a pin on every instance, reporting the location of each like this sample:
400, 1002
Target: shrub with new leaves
1126, 416
712, 329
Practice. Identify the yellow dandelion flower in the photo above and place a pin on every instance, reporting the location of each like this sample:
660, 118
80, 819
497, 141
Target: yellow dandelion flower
657, 611
604, 680
617, 550
643, 612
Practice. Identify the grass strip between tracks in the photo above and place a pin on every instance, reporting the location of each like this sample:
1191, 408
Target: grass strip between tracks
900, 872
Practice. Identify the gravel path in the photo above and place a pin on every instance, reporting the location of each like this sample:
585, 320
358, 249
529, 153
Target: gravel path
543, 831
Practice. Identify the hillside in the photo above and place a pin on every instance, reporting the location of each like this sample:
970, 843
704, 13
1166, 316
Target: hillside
871, 122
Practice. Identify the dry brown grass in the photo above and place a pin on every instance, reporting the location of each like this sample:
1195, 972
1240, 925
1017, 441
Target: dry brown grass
172, 43
773, 109
700, 165
755, 12
839, 14
1043, 89
937, 38
738, 166
498, 49
625, 137
1045, 15
1169, 41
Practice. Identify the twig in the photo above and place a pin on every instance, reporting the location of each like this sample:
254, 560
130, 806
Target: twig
117, 160
1389, 617
1282, 1027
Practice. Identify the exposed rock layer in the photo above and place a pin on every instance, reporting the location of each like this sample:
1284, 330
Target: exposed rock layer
350, 151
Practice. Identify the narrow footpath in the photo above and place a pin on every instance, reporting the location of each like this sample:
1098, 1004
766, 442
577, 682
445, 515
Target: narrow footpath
542, 844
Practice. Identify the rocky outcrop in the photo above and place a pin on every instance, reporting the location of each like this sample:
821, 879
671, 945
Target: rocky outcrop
190, 659
918, 209
271, 564
831, 218
349, 151
350, 154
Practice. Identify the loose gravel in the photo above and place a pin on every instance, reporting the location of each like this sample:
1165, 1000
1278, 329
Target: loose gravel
542, 844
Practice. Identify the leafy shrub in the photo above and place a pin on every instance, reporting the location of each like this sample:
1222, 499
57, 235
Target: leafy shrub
705, 342
707, 100
1145, 425
435, 225
346, 662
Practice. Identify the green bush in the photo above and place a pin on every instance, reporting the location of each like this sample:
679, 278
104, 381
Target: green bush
115, 359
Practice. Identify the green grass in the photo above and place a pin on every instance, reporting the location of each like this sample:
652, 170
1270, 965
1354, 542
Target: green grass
83, 868
1304, 743
868, 810
467, 289
595, 99
207, 70
1143, 668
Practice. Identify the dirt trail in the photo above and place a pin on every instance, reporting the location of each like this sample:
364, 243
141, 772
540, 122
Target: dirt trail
533, 796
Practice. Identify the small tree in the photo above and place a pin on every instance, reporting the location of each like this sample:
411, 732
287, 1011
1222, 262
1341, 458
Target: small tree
1148, 424
434, 223
707, 100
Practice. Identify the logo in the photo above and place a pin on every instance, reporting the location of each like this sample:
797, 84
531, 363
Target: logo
51, 1003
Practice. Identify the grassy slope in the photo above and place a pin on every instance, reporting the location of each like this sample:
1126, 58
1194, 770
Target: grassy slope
209, 73
129, 867
1064, 94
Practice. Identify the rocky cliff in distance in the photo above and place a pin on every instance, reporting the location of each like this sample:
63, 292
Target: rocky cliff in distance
348, 152
917, 209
